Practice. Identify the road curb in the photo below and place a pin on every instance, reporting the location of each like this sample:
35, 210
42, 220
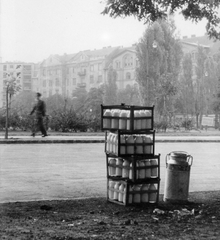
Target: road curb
65, 141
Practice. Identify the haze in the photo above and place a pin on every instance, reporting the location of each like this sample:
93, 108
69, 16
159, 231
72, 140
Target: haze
32, 30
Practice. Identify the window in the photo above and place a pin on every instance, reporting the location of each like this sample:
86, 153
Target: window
117, 64
57, 82
50, 93
99, 66
73, 70
27, 68
74, 81
128, 76
44, 72
99, 79
27, 86
91, 68
131, 61
91, 79
50, 83
44, 83
27, 77
11, 66
128, 61
5, 68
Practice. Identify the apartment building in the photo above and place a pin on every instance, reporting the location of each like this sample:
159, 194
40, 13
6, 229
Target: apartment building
88, 69
125, 63
22, 72
51, 75
64, 74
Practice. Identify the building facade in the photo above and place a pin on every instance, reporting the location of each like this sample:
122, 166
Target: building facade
21, 72
64, 74
125, 64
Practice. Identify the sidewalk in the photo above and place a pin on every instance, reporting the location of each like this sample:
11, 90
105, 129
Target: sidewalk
99, 139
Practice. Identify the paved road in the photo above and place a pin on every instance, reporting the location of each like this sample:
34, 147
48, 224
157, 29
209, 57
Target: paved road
65, 171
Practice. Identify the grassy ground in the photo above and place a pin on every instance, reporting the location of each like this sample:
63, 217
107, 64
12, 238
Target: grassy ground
95, 218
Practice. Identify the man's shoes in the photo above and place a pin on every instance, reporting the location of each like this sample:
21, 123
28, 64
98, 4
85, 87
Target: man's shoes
33, 134
44, 135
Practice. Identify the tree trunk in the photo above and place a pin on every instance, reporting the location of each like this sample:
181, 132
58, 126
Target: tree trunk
6, 122
197, 120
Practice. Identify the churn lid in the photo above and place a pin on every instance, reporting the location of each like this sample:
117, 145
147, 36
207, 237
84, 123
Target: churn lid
178, 157
179, 154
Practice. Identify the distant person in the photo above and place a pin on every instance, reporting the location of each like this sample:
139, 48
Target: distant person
40, 112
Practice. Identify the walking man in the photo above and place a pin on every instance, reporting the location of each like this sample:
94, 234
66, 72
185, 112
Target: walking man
40, 111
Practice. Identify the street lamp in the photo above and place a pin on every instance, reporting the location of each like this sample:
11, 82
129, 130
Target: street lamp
154, 45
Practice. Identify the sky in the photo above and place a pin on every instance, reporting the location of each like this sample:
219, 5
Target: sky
32, 30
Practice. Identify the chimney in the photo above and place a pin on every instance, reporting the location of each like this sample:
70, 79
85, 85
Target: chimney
192, 36
184, 37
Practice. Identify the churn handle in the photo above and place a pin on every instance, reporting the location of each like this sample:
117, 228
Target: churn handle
166, 158
190, 160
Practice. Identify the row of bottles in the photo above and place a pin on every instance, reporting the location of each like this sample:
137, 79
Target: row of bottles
139, 193
129, 144
124, 168
120, 119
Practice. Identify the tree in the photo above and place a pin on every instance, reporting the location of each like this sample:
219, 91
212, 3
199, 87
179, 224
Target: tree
92, 108
212, 73
159, 55
110, 88
11, 87
79, 97
186, 87
129, 95
23, 102
216, 100
152, 10
200, 83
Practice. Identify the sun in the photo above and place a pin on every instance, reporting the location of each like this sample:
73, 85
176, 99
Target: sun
106, 36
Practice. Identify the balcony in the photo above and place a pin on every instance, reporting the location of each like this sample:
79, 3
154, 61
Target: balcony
81, 85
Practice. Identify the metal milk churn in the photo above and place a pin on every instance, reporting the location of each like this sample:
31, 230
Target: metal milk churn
178, 164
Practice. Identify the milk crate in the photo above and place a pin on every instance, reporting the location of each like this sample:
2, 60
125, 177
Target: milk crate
133, 169
123, 143
127, 193
126, 117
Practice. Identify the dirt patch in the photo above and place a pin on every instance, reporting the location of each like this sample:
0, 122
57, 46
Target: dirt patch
95, 218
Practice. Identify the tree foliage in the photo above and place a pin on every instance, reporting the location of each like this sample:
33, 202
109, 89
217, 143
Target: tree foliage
158, 66
110, 88
23, 101
152, 10
186, 88
129, 95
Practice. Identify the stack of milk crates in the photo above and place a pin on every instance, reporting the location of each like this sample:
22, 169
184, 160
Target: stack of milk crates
133, 169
